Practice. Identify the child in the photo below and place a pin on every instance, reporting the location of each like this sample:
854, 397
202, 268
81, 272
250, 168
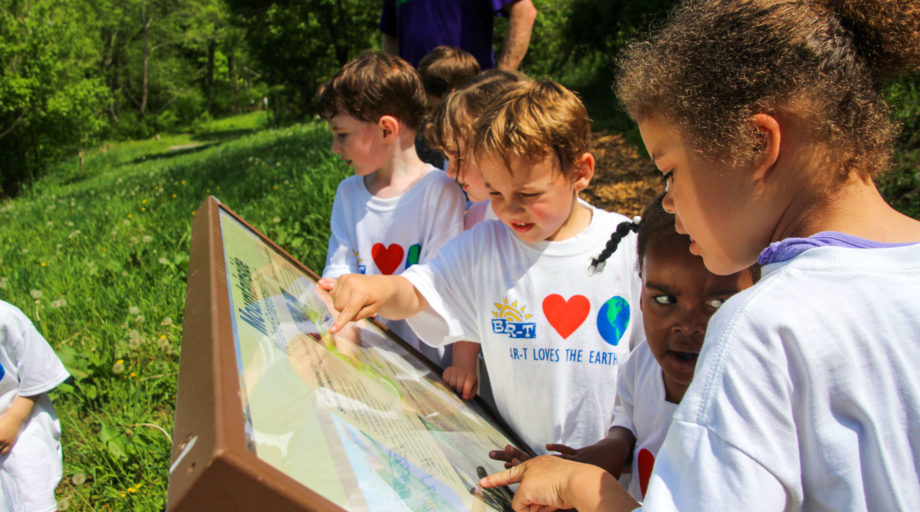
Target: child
553, 335
396, 211
444, 69
30, 434
767, 121
451, 126
451, 131
678, 297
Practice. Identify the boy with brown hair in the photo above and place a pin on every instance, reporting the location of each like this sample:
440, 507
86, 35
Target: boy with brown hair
444, 69
553, 334
396, 211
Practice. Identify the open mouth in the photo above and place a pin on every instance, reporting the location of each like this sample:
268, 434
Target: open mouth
685, 356
521, 226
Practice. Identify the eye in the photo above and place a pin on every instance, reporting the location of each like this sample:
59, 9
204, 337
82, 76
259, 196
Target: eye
715, 303
667, 178
665, 299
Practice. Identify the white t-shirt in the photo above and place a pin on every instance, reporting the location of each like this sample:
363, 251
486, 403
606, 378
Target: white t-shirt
373, 236
641, 408
806, 394
30, 472
553, 336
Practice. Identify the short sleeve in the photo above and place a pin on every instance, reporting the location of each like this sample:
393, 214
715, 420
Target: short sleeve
445, 282
444, 207
38, 367
340, 256
625, 402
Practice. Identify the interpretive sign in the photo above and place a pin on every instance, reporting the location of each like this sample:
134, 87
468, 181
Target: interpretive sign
275, 413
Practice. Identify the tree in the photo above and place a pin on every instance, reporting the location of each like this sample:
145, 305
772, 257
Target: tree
301, 43
50, 102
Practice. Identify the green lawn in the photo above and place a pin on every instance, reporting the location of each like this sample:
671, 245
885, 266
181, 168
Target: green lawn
97, 258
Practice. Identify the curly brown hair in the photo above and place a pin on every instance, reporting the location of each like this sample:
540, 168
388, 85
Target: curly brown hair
373, 85
532, 120
716, 63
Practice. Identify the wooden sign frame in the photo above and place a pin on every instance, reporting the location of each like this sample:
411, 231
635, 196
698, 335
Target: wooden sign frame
214, 463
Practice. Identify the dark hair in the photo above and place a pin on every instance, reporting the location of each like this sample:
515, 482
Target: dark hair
446, 68
371, 86
654, 224
453, 120
532, 120
716, 63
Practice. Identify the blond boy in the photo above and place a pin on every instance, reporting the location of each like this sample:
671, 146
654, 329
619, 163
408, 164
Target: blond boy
553, 335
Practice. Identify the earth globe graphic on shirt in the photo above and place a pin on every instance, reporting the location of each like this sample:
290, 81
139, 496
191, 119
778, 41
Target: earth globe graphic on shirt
613, 319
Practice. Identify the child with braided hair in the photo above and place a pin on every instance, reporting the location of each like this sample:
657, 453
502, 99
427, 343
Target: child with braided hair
678, 296
553, 335
768, 122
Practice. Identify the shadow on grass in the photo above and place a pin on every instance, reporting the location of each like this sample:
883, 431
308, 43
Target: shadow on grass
174, 151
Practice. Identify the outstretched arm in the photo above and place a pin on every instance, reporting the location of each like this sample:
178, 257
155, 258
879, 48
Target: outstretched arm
548, 483
357, 296
521, 16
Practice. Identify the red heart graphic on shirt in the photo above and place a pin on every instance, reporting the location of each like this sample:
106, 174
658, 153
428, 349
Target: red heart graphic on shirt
566, 315
646, 462
386, 258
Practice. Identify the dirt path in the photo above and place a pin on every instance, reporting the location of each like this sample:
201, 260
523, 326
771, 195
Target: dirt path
623, 180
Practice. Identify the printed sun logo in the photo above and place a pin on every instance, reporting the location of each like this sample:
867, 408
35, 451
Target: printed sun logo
510, 312
511, 320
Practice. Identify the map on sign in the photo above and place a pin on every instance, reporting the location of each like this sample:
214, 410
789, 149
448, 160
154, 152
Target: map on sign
353, 416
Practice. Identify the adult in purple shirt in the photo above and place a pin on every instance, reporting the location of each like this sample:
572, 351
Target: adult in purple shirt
412, 28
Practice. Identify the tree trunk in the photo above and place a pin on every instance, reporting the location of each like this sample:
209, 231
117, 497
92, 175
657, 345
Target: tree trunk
234, 87
209, 76
143, 107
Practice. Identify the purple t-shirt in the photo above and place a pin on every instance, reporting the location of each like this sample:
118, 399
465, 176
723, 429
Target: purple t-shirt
421, 25
791, 247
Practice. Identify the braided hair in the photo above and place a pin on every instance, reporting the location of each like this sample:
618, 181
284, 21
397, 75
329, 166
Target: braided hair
654, 223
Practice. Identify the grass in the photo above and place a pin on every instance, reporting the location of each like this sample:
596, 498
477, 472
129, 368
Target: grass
96, 255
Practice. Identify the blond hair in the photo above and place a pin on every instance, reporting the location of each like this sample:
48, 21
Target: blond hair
532, 120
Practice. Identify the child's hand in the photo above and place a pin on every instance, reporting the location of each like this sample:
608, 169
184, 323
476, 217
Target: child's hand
356, 296
462, 380
511, 455
9, 431
12, 420
608, 453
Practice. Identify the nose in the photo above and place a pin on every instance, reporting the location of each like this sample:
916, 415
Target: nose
667, 202
335, 147
692, 320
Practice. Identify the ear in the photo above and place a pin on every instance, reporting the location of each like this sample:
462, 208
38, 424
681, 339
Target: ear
389, 128
767, 152
584, 171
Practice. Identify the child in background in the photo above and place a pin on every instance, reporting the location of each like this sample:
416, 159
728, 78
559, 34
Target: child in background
442, 70
396, 211
450, 128
553, 335
767, 120
451, 131
678, 297
30, 434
